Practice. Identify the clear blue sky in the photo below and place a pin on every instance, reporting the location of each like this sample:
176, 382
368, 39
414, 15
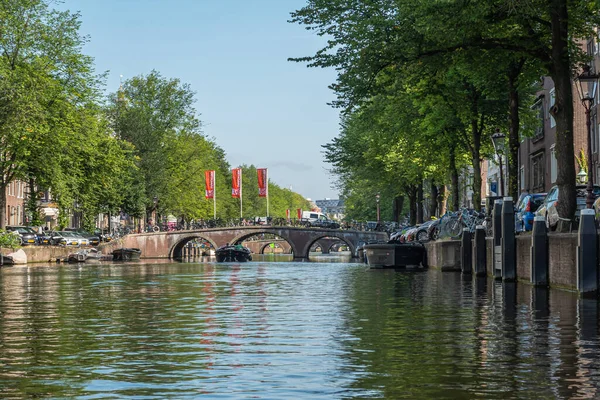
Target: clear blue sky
260, 108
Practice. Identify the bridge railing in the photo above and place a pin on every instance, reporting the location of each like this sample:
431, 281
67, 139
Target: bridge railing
271, 222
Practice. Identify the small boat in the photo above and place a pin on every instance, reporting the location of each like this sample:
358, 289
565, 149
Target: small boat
88, 255
6, 260
394, 254
78, 257
237, 253
126, 254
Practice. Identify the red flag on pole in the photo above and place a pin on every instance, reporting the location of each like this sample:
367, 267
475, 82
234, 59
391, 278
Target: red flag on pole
299, 213
287, 213
236, 182
263, 187
209, 182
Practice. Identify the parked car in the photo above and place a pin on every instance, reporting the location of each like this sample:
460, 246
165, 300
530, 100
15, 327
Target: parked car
66, 238
28, 235
421, 233
432, 230
525, 210
93, 239
548, 208
105, 235
409, 234
44, 237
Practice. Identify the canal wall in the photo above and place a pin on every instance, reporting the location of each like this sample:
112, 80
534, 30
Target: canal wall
562, 254
43, 254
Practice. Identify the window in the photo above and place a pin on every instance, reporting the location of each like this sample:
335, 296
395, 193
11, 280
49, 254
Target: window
550, 105
539, 127
537, 172
553, 165
522, 177
593, 135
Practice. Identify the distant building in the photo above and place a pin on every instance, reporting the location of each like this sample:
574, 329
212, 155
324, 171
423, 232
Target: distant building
15, 203
332, 208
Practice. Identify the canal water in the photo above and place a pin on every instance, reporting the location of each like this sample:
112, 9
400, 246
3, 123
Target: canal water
273, 329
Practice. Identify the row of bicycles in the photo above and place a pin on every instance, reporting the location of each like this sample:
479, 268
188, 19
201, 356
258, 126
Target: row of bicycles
450, 225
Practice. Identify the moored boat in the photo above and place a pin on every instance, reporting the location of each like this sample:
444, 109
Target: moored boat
88, 255
395, 255
6, 260
235, 253
126, 254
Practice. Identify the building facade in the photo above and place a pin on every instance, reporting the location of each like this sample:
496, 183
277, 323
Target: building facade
332, 208
16, 193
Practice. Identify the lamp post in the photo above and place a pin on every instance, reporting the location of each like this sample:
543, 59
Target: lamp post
582, 176
586, 88
498, 142
377, 201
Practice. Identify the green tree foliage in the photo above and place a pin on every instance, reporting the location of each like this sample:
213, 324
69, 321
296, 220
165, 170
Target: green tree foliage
156, 115
369, 38
51, 130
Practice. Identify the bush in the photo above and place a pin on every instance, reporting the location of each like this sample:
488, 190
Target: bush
9, 240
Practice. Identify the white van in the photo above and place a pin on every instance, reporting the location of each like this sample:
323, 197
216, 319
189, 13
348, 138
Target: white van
313, 216
318, 220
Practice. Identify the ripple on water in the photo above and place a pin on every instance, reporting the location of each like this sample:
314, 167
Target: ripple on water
287, 330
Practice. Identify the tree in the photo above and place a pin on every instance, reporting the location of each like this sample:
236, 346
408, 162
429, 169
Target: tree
156, 115
367, 38
43, 75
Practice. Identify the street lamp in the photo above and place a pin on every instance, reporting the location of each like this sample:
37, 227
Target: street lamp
582, 176
377, 201
586, 88
498, 142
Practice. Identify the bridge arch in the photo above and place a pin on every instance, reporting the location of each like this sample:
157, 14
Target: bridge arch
244, 236
325, 237
177, 249
264, 247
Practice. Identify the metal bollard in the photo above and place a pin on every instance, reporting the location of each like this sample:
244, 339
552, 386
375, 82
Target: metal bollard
497, 228
480, 253
539, 252
587, 253
466, 252
509, 243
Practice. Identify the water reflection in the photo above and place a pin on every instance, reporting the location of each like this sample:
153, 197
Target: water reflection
289, 330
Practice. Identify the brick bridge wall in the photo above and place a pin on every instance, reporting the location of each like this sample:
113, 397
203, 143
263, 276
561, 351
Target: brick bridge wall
170, 244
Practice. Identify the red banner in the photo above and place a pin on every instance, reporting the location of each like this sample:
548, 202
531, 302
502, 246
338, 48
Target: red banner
299, 213
209, 183
236, 183
287, 213
263, 185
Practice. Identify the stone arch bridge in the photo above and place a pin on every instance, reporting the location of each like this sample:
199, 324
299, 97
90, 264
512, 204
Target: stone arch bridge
170, 244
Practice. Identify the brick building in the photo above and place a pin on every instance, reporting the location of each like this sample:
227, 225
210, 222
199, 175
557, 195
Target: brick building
538, 167
16, 193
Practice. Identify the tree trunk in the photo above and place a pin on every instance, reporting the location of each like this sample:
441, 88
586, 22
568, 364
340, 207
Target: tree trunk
433, 203
513, 130
398, 205
420, 203
563, 114
476, 161
412, 199
454, 182
441, 199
